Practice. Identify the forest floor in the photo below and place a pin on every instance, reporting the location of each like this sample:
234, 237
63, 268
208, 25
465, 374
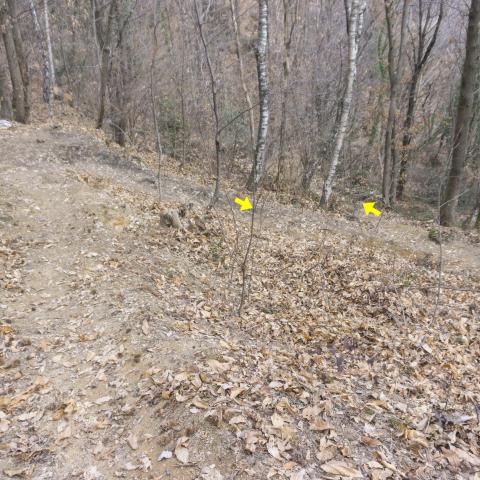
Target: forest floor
122, 354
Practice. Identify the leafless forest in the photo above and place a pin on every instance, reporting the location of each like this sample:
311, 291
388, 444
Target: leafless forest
150, 329
314, 97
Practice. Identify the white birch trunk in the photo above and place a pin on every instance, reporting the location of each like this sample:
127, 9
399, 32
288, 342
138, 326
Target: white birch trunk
355, 13
49, 48
44, 52
261, 56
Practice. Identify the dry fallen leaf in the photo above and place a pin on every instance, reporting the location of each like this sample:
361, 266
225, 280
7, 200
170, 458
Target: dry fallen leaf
251, 440
371, 442
277, 420
182, 454
272, 449
468, 457
65, 433
220, 367
132, 441
312, 412
320, 425
199, 403
415, 437
15, 472
165, 455
6, 329
379, 474
180, 398
211, 473
237, 419
341, 468
326, 454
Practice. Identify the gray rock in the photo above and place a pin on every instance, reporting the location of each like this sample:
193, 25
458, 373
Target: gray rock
171, 219
5, 124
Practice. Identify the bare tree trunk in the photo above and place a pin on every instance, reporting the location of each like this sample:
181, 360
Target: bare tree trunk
21, 58
423, 52
474, 218
213, 88
395, 69
258, 166
463, 116
288, 31
355, 14
119, 119
407, 135
120, 90
153, 98
51, 65
308, 173
18, 104
236, 28
95, 33
44, 53
103, 39
5, 105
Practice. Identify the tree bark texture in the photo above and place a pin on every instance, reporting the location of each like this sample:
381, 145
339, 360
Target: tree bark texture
463, 117
5, 104
355, 12
18, 99
395, 68
251, 120
258, 166
213, 88
423, 52
103, 38
21, 58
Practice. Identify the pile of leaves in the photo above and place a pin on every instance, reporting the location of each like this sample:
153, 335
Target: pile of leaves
349, 360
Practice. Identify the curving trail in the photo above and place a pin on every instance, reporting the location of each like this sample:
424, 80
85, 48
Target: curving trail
114, 346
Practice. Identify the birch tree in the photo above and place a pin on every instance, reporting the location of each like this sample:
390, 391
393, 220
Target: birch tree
463, 116
51, 65
153, 96
45, 45
354, 10
258, 166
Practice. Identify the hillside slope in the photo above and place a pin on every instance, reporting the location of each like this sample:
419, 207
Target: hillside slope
120, 338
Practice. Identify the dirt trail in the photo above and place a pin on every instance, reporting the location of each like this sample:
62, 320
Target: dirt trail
90, 311
79, 297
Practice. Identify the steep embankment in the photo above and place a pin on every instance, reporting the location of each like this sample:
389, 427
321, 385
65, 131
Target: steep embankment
118, 341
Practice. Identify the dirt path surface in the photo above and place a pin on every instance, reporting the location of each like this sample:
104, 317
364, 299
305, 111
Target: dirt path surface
80, 299
105, 319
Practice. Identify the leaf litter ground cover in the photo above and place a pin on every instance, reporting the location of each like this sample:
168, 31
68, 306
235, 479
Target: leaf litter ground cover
344, 363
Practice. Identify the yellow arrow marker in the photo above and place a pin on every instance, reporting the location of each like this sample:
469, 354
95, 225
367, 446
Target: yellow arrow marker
244, 204
369, 207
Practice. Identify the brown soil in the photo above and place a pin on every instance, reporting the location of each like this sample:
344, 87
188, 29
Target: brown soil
101, 308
